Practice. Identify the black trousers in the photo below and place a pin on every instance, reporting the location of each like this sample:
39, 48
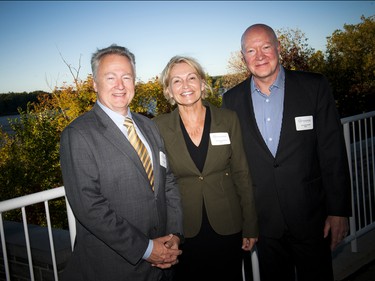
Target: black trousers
210, 256
290, 259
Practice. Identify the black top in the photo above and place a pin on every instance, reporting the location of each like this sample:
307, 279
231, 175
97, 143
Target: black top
198, 153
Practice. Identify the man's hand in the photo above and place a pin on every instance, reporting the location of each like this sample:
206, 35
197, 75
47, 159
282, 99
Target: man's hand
173, 243
165, 251
339, 227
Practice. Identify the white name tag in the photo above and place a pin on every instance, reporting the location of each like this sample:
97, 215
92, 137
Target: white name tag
304, 123
163, 159
219, 138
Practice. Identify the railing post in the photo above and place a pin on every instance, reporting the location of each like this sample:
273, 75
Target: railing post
255, 264
52, 244
28, 246
352, 222
4, 247
71, 223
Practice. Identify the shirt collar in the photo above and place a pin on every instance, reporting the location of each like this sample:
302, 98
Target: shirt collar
279, 82
116, 117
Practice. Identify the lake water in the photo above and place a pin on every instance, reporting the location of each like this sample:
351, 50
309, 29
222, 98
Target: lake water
4, 122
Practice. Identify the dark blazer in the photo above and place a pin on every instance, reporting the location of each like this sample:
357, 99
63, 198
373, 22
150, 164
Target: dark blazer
115, 208
224, 184
308, 178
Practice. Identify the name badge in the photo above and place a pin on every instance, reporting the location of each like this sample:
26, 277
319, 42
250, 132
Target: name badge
219, 138
163, 159
304, 123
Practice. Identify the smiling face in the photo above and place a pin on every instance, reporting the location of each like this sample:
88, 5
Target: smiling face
185, 85
114, 83
260, 50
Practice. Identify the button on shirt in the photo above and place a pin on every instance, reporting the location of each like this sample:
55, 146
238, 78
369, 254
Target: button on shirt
268, 110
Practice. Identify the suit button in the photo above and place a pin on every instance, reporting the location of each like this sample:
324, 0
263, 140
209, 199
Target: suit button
276, 165
201, 178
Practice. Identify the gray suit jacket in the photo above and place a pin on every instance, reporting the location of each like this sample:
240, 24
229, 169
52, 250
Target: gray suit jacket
115, 208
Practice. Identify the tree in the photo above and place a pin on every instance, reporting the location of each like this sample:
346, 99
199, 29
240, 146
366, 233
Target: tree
317, 63
30, 162
149, 99
351, 67
295, 51
29, 159
215, 84
237, 71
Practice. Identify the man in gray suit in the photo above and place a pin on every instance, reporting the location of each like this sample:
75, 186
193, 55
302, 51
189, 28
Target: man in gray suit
128, 228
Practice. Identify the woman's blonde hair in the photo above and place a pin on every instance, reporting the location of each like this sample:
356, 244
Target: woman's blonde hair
165, 76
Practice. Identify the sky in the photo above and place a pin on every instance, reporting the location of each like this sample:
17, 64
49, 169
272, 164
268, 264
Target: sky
36, 37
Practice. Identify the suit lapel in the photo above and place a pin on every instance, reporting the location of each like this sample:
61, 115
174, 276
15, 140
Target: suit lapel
112, 133
294, 105
248, 105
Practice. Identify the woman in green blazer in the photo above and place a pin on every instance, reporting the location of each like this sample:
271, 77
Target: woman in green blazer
205, 151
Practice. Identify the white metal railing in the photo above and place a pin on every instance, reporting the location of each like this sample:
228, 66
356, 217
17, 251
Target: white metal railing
27, 200
360, 145
45, 196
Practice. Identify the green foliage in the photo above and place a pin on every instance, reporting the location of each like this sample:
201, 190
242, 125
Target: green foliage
316, 62
295, 50
29, 158
149, 99
216, 85
351, 67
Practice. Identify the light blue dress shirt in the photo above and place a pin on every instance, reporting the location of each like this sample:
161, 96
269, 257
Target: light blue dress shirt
269, 110
119, 119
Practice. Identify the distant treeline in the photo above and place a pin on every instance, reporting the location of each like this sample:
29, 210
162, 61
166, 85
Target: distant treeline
10, 103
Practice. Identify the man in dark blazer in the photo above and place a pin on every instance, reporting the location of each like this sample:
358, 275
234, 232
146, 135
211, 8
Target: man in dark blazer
125, 223
295, 149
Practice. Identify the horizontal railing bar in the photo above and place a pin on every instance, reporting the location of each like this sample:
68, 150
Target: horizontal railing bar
31, 199
357, 117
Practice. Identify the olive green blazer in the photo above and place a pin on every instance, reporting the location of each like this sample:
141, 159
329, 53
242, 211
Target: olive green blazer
225, 184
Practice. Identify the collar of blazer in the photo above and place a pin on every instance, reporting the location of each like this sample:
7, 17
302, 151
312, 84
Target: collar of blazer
221, 121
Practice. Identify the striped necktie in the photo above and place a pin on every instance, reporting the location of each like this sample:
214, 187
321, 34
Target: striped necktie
140, 149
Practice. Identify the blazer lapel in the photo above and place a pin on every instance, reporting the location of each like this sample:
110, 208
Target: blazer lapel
215, 126
177, 140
